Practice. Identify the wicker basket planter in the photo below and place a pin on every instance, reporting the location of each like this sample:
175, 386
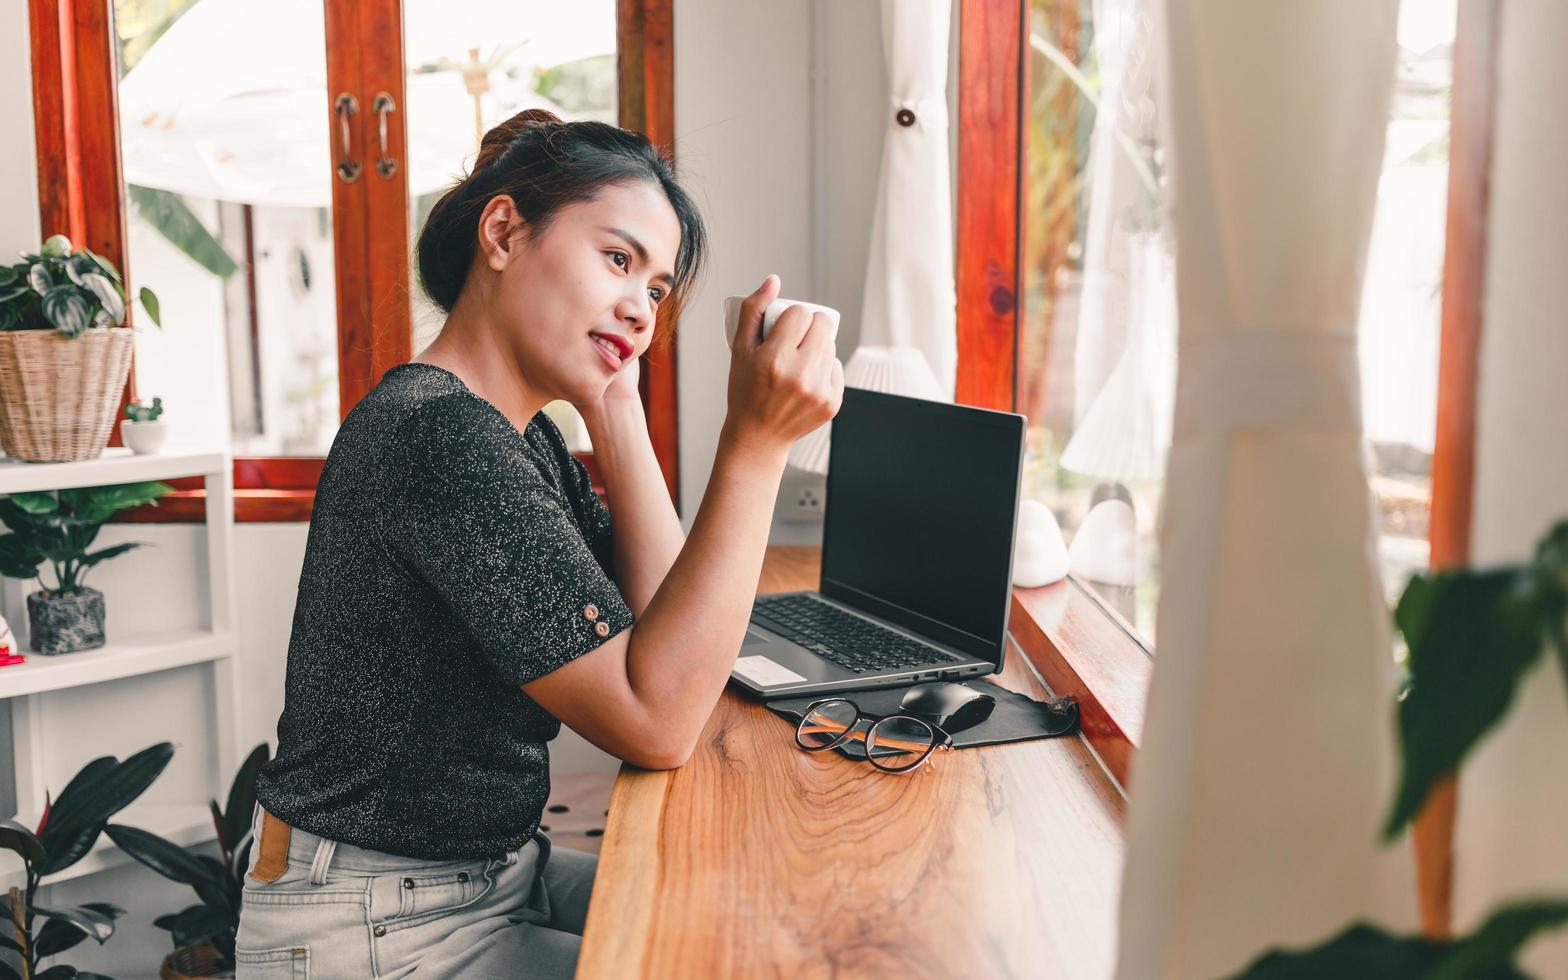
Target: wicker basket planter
192, 962
59, 395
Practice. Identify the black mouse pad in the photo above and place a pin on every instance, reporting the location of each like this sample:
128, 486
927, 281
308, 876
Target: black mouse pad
1016, 717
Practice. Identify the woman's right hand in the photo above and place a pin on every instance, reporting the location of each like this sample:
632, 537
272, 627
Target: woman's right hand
784, 387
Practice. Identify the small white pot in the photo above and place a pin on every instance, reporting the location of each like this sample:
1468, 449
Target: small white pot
144, 438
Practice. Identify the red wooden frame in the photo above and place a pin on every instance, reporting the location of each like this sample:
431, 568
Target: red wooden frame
1472, 118
1078, 646
81, 194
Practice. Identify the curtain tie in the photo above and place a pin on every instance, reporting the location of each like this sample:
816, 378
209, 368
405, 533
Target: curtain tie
1267, 379
930, 114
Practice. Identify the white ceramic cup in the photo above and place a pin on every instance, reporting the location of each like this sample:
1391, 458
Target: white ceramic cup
770, 316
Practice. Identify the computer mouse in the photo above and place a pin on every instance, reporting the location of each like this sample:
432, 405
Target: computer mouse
953, 707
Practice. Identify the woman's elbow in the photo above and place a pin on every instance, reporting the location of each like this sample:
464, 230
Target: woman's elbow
667, 757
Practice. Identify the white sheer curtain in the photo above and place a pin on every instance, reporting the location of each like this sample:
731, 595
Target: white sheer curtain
1267, 750
910, 297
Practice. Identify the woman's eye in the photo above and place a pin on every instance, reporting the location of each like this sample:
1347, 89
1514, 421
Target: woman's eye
657, 294
621, 255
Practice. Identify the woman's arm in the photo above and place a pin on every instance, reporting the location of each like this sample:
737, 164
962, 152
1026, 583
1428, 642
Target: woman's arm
648, 534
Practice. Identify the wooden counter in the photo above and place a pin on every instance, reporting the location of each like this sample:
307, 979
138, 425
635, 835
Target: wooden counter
758, 859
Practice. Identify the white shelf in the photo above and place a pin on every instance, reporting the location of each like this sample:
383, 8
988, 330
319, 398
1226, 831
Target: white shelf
182, 823
116, 465
175, 648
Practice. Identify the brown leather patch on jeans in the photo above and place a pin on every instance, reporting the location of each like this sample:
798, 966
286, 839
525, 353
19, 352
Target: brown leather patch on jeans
274, 844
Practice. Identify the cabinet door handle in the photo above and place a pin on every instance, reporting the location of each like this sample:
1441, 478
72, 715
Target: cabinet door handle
382, 106
343, 107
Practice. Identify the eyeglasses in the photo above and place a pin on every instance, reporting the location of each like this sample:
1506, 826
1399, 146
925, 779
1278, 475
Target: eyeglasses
893, 743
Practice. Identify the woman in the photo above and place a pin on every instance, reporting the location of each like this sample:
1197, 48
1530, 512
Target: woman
463, 593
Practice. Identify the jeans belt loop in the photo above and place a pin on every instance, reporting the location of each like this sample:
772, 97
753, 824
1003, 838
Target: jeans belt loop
318, 865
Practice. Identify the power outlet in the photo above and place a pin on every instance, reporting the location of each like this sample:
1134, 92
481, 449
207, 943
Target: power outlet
802, 496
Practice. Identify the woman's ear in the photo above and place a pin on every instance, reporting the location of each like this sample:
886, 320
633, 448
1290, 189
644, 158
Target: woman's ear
497, 231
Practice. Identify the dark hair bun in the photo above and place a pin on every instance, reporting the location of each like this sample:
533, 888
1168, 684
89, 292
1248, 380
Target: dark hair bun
504, 134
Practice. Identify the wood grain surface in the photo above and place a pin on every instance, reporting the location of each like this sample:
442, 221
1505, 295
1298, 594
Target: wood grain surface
758, 859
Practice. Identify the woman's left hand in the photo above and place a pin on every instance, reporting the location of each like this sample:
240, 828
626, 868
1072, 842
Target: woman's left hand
622, 388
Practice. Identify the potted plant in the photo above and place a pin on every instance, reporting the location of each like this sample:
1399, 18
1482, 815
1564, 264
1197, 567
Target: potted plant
62, 365
59, 527
69, 827
1473, 635
204, 933
142, 430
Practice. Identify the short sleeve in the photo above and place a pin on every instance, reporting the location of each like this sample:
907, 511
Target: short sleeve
472, 514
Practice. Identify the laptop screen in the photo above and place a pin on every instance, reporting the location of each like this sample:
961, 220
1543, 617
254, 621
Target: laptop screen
922, 506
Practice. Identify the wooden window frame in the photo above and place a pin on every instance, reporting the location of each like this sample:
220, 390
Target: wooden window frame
1077, 643
81, 193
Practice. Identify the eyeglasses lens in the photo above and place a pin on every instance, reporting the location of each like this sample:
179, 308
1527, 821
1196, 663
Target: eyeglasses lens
899, 743
825, 723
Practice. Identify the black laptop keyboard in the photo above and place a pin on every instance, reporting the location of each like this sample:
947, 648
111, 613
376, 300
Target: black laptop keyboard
846, 640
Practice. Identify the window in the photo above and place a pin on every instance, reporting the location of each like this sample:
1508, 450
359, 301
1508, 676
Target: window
1024, 267
287, 288
1097, 331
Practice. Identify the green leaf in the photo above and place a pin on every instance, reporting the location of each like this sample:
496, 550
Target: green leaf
242, 798
1361, 952
94, 923
196, 923
98, 504
150, 304
18, 558
1472, 636
57, 936
88, 561
7, 973
1500, 938
61, 972
110, 909
66, 847
38, 277
104, 265
35, 501
168, 859
107, 294
174, 220
15, 837
70, 804
88, 806
66, 310
8, 276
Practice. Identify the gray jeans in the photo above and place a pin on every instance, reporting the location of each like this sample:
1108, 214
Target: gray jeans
338, 911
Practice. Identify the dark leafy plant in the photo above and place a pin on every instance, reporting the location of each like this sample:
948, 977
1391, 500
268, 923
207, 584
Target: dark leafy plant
69, 827
59, 527
138, 412
216, 918
1473, 635
1364, 952
65, 290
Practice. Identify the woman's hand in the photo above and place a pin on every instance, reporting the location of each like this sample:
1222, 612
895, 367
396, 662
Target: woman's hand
624, 384
788, 385
621, 391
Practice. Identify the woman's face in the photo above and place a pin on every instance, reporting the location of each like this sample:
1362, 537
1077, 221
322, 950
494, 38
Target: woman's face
601, 266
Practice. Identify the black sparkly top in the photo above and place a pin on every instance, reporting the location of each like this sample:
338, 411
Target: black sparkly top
450, 559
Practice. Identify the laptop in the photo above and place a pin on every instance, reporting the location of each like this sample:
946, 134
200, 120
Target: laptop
917, 554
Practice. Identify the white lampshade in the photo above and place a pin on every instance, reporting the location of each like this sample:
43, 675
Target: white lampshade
894, 370
1127, 429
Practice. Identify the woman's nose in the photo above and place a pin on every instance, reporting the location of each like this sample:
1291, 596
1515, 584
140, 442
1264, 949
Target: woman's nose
638, 315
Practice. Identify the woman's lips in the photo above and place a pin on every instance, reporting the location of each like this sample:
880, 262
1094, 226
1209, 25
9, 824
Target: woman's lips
609, 356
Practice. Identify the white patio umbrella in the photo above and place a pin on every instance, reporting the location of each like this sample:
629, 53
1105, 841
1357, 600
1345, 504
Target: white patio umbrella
201, 114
